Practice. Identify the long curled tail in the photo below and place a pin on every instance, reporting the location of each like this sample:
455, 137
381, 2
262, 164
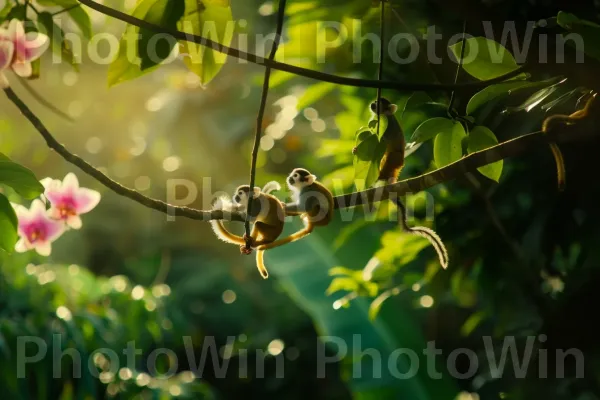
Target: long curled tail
566, 119
260, 263
217, 226
427, 233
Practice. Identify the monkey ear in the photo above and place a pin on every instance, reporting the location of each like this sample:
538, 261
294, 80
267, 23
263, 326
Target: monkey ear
393, 108
256, 191
310, 179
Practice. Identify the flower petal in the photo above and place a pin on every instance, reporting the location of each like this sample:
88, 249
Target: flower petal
49, 183
70, 183
35, 45
15, 30
22, 246
6, 53
54, 229
43, 248
74, 221
37, 208
22, 68
21, 211
85, 200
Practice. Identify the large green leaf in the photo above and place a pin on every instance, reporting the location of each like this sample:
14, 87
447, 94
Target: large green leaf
431, 128
302, 270
214, 21
22, 180
75, 11
415, 115
586, 30
484, 58
481, 138
8, 225
58, 45
152, 47
367, 159
502, 90
127, 63
447, 147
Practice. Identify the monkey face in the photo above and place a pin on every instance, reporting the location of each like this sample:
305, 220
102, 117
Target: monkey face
386, 107
300, 178
242, 194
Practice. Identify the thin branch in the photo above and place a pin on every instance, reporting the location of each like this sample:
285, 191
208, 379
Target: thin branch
116, 187
261, 113
67, 9
459, 67
381, 56
277, 65
40, 99
469, 163
448, 173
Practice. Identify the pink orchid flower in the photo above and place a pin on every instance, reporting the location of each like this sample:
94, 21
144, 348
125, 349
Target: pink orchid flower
36, 229
18, 49
68, 200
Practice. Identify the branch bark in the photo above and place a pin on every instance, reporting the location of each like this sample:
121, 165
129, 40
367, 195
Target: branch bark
277, 65
448, 173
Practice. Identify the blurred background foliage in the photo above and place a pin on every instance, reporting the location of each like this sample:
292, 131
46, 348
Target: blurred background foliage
523, 258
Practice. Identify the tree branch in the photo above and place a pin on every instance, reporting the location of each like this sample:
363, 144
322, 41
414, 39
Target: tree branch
448, 173
261, 114
116, 187
451, 171
277, 65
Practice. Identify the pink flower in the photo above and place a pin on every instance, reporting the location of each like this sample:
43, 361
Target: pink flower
36, 229
68, 200
18, 49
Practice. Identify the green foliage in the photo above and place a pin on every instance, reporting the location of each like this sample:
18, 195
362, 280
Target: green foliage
22, 180
213, 20
448, 145
431, 128
77, 13
58, 45
8, 225
481, 138
589, 31
484, 58
369, 152
151, 47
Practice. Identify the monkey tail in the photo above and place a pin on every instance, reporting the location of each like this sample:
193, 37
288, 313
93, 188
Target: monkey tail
260, 263
291, 238
561, 172
224, 234
427, 233
271, 187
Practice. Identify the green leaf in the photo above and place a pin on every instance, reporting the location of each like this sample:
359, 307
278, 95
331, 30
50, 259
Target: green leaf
314, 93
447, 147
77, 13
127, 63
58, 45
536, 99
8, 225
366, 161
373, 126
153, 48
481, 138
415, 116
5, 11
22, 180
493, 92
431, 128
484, 58
586, 30
337, 284
211, 20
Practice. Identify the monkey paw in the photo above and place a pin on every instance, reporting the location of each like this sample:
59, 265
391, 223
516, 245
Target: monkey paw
245, 250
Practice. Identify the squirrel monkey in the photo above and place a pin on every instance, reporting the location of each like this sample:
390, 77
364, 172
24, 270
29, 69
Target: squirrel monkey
267, 217
311, 200
566, 119
390, 168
